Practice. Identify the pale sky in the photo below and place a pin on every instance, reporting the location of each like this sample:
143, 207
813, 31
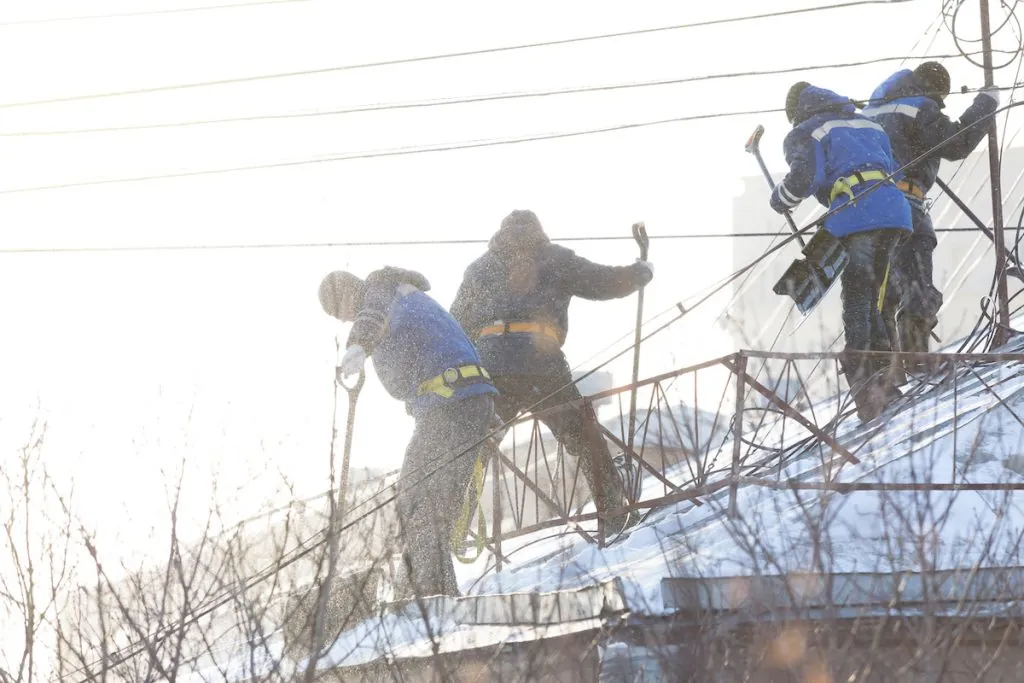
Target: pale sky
222, 357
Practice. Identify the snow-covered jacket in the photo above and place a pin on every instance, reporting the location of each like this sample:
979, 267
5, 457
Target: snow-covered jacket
830, 142
524, 278
411, 338
916, 124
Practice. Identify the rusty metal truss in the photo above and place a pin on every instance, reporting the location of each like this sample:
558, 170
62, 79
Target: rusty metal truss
773, 409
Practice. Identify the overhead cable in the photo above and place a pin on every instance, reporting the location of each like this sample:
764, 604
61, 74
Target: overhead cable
435, 57
119, 15
470, 99
381, 243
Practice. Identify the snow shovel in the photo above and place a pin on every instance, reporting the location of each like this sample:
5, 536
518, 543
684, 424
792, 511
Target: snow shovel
806, 280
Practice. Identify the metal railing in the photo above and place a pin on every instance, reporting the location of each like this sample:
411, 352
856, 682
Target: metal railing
774, 410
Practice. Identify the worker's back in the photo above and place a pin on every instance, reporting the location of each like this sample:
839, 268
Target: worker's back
514, 299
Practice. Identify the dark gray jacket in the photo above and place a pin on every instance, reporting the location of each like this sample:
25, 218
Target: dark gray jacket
916, 125
524, 278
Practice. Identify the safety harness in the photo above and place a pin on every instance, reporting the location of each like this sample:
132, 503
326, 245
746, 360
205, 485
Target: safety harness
846, 185
445, 385
502, 327
910, 188
474, 490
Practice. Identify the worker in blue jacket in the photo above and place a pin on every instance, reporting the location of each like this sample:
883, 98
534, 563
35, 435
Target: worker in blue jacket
844, 160
423, 358
514, 304
908, 105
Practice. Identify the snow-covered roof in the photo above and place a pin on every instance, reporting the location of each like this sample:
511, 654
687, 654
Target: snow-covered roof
964, 433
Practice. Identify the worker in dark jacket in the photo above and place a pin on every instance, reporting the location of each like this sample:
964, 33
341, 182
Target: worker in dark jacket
908, 105
514, 303
844, 160
423, 358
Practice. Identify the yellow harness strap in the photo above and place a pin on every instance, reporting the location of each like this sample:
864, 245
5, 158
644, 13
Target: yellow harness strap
440, 385
476, 486
846, 185
881, 290
501, 327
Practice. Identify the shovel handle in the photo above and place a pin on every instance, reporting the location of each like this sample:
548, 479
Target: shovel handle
753, 146
354, 388
640, 235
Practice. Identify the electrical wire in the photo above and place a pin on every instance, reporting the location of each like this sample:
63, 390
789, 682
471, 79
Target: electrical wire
398, 151
470, 99
180, 10
385, 243
448, 55
957, 39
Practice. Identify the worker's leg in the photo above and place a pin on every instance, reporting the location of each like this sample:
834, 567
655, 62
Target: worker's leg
578, 430
920, 300
437, 470
863, 290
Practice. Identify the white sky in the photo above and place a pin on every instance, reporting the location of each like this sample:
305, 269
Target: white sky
223, 357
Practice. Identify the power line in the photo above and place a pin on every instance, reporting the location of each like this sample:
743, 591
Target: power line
472, 99
402, 151
391, 243
181, 10
449, 55
399, 151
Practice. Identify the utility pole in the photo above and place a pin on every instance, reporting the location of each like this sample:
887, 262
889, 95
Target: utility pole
1002, 312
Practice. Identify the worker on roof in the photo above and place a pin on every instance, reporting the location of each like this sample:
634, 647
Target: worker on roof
908, 105
423, 358
844, 160
514, 304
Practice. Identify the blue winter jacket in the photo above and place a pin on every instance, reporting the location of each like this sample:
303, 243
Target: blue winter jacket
411, 338
831, 141
524, 278
916, 124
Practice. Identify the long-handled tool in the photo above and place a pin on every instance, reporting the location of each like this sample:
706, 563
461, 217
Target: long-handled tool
806, 280
353, 396
640, 235
337, 510
753, 146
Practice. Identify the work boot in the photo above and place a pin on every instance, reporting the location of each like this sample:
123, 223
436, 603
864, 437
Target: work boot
613, 526
870, 397
872, 385
606, 482
629, 474
914, 337
613, 497
894, 375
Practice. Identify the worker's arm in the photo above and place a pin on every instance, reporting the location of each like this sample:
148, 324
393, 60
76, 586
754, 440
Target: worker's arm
802, 156
381, 287
935, 129
598, 282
